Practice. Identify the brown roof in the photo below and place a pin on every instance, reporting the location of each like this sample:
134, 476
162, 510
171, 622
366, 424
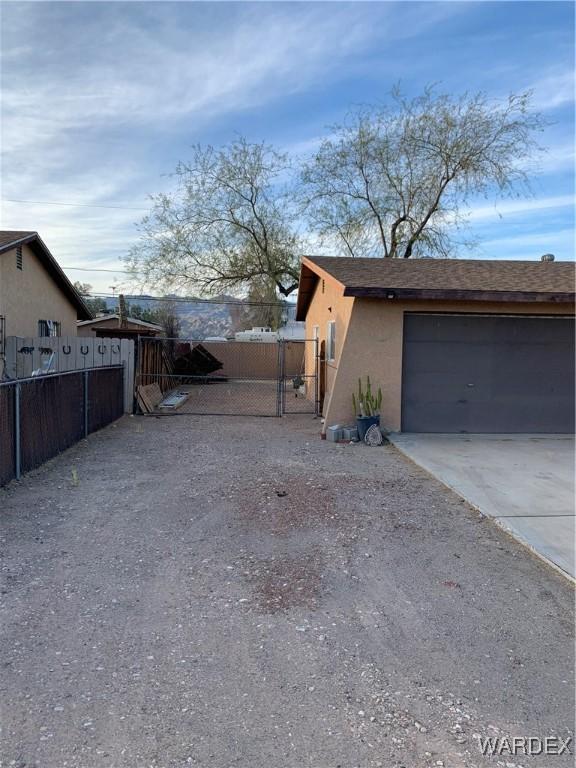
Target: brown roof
10, 239
440, 279
113, 320
13, 237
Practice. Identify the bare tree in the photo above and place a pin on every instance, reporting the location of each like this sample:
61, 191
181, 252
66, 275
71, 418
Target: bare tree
227, 226
96, 305
167, 317
261, 309
394, 181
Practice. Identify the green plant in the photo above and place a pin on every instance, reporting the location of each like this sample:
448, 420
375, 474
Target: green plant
367, 403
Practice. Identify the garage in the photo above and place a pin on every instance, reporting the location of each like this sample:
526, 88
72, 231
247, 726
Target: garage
487, 373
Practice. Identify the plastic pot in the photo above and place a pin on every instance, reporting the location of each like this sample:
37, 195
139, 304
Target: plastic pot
364, 423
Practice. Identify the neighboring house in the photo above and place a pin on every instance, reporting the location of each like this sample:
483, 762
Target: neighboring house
114, 326
36, 297
455, 345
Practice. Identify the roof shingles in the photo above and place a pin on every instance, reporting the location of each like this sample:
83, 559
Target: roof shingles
435, 279
11, 238
457, 274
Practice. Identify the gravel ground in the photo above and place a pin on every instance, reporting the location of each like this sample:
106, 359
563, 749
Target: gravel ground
226, 592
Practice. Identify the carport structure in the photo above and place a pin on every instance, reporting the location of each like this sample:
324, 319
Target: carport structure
230, 378
457, 346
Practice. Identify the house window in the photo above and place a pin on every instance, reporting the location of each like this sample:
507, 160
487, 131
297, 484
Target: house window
331, 341
48, 328
19, 257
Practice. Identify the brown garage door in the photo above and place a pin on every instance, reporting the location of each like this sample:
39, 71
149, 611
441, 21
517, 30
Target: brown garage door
488, 373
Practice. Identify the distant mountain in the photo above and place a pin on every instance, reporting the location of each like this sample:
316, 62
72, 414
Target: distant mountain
221, 316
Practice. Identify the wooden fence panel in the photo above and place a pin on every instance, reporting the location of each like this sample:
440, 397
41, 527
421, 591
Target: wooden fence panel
24, 355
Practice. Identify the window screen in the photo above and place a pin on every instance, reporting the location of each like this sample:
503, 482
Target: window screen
331, 341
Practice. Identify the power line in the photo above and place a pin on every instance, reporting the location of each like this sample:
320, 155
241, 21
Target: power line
123, 271
74, 205
191, 300
237, 302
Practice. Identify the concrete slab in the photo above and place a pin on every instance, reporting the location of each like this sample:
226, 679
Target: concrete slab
526, 482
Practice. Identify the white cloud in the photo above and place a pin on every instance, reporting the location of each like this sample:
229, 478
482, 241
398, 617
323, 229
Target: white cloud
525, 207
553, 90
90, 91
95, 85
557, 158
530, 245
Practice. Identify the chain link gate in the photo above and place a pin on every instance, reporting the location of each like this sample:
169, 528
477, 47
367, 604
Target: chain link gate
232, 378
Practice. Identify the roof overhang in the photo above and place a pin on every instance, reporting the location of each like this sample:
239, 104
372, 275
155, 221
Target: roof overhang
448, 294
310, 275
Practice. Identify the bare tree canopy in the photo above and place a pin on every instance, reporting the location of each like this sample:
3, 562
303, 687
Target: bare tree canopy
394, 181
227, 227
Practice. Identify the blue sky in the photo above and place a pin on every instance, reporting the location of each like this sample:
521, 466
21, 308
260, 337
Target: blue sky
100, 100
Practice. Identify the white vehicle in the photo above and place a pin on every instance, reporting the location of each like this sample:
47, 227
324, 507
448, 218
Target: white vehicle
257, 334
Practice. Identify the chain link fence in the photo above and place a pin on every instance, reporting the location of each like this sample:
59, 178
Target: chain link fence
234, 378
42, 416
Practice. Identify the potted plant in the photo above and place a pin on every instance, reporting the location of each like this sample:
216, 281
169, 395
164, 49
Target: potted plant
366, 407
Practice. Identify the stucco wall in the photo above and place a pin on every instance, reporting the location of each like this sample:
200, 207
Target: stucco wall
373, 346
29, 295
327, 304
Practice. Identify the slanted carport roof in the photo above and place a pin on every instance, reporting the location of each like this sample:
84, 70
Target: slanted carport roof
439, 279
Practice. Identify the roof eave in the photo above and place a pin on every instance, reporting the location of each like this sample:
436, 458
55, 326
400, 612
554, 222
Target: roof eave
310, 274
446, 294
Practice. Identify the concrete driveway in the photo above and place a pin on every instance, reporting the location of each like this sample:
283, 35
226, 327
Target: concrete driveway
525, 482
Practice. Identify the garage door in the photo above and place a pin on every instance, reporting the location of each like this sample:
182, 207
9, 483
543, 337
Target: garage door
488, 373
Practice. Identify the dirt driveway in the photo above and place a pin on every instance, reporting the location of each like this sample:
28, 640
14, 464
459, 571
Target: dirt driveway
223, 592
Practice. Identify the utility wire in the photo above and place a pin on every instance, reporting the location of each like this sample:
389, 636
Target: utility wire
237, 302
190, 300
75, 205
123, 271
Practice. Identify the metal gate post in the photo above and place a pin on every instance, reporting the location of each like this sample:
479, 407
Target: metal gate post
280, 380
85, 376
283, 387
17, 442
316, 376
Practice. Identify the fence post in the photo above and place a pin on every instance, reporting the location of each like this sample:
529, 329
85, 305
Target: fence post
17, 442
279, 381
317, 376
85, 377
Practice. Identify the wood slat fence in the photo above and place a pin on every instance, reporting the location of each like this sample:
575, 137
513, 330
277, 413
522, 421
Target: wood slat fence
61, 354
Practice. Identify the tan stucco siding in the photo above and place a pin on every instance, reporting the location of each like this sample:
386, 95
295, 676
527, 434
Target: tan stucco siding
328, 304
30, 294
373, 346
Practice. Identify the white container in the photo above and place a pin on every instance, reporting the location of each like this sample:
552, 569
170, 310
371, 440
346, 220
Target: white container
257, 334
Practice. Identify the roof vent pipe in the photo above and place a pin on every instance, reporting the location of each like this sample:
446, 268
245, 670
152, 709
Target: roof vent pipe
547, 257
